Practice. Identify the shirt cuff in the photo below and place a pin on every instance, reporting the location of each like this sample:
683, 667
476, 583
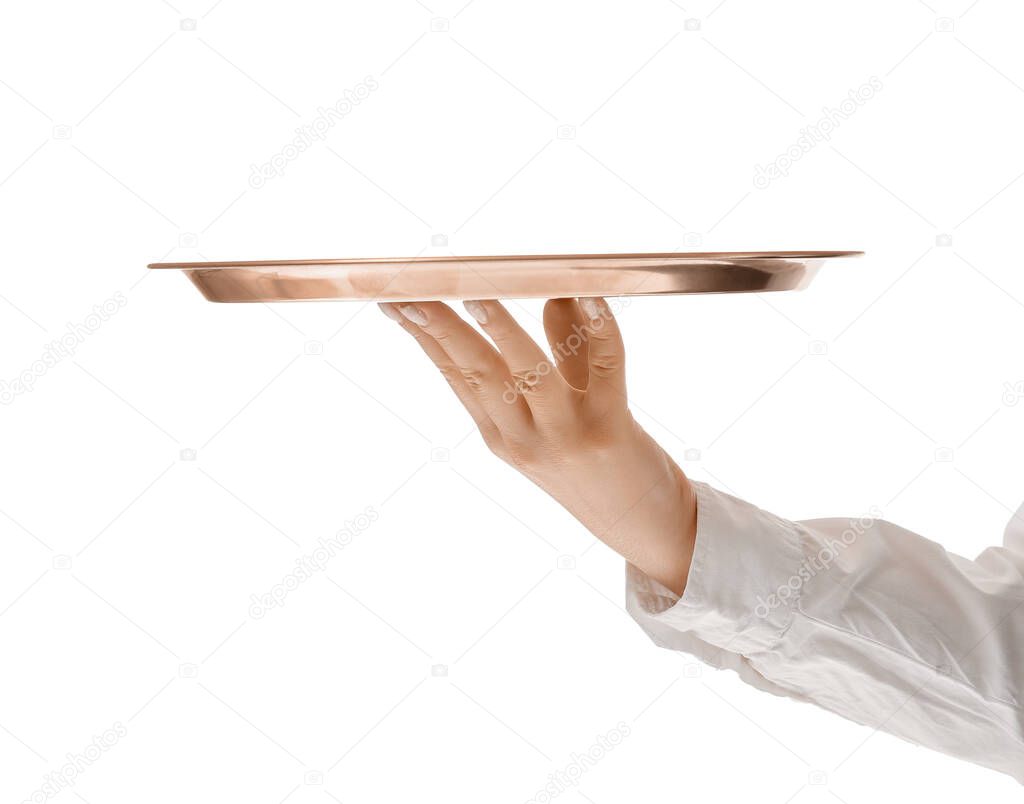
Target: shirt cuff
744, 580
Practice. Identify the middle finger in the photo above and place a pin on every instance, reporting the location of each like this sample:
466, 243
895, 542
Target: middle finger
531, 369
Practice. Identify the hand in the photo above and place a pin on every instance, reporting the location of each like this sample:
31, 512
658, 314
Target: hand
564, 423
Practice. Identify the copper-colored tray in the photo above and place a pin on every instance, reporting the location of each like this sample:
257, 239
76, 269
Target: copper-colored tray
500, 277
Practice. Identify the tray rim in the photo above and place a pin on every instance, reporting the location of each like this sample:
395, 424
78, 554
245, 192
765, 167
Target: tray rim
698, 256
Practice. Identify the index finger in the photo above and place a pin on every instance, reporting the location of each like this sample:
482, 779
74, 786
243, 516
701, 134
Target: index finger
480, 364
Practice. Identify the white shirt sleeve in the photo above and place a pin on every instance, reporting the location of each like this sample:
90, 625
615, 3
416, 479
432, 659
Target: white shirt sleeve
861, 617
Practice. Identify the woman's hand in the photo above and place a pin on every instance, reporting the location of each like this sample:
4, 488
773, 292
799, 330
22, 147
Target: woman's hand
564, 422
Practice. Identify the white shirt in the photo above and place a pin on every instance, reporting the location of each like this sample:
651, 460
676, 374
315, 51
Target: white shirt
861, 617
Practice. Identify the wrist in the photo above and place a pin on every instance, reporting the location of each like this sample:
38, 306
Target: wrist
678, 570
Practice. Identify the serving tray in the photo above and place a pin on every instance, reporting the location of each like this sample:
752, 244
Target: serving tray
501, 277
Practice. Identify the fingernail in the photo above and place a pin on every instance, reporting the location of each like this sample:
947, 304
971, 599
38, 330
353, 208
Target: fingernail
390, 311
413, 313
592, 308
477, 310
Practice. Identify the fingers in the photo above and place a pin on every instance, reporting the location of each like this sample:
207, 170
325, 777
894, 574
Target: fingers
531, 369
478, 364
606, 356
505, 388
440, 358
564, 327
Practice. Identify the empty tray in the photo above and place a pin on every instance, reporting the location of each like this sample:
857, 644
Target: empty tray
498, 277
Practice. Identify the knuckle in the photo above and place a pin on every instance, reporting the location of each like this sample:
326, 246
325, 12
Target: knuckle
600, 443
604, 365
473, 377
523, 455
439, 334
450, 374
519, 459
526, 382
604, 435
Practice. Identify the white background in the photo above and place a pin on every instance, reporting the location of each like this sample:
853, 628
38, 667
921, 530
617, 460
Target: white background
126, 572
